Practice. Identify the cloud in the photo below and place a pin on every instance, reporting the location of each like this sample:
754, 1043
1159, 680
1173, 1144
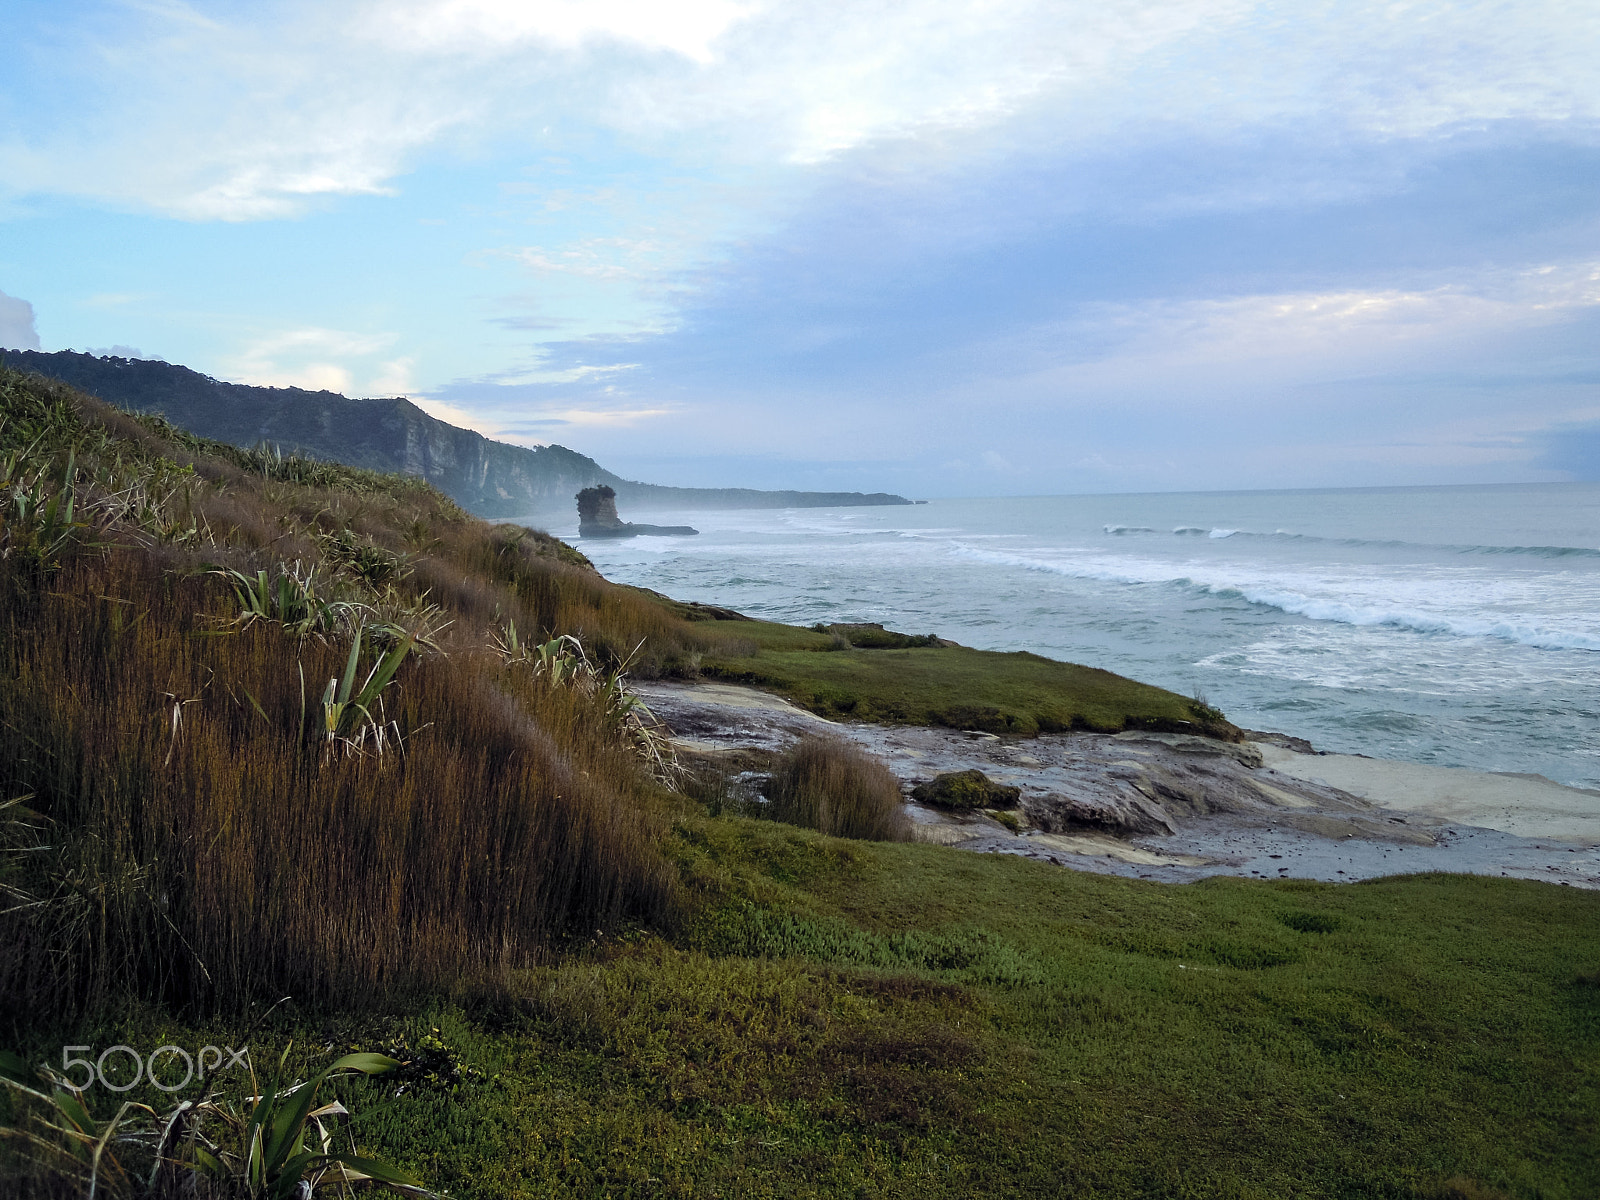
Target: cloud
688, 28
590, 374
593, 258
1407, 329
609, 418
17, 328
460, 417
210, 112
1332, 325
1571, 448
1086, 237
394, 377
320, 360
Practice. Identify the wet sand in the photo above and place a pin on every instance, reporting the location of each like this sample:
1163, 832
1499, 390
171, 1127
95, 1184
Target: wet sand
1178, 808
1530, 806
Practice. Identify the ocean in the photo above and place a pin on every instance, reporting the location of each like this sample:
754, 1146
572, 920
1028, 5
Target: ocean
1456, 626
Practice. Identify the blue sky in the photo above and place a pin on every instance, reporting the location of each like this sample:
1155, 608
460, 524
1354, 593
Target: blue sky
936, 247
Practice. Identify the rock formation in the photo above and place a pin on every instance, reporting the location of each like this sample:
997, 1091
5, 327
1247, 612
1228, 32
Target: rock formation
965, 790
597, 517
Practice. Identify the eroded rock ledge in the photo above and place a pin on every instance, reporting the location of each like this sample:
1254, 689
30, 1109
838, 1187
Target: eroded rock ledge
1167, 806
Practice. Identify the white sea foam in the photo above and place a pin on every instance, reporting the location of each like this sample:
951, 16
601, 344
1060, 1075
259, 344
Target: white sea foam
1452, 626
1392, 660
1439, 606
1287, 535
1520, 628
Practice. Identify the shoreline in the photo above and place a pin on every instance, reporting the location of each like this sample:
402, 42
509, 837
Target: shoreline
1177, 808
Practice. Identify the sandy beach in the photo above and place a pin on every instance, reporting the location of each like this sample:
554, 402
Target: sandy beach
1177, 808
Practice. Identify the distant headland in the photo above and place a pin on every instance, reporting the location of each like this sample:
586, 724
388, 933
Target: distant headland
488, 478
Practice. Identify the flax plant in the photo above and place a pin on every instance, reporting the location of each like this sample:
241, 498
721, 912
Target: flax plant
563, 662
38, 520
289, 599
276, 1143
348, 720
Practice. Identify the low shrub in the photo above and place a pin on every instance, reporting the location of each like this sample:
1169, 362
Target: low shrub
832, 786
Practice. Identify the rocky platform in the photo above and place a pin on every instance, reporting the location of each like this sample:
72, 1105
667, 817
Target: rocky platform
1175, 807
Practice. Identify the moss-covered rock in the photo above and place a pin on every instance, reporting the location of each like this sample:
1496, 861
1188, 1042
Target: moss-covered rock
966, 789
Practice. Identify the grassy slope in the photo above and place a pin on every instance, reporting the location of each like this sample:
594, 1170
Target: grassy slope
178, 762
847, 1019
955, 686
810, 1016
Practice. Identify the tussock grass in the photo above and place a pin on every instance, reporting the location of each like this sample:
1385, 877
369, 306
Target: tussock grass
206, 849
837, 788
551, 592
200, 837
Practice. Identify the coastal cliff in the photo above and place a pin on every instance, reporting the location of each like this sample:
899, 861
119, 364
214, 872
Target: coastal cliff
488, 478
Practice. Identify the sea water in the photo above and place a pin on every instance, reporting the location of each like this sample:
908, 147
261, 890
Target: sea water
1457, 626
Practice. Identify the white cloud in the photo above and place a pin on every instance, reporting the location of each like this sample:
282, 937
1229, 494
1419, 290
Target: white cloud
617, 418
590, 374
395, 377
687, 28
609, 258
453, 415
17, 328
318, 360
995, 461
1290, 333
213, 112
115, 299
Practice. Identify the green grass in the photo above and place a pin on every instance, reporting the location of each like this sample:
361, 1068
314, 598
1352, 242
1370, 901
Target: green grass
954, 686
847, 1019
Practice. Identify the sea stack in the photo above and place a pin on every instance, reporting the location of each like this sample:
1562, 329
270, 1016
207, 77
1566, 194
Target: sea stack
597, 517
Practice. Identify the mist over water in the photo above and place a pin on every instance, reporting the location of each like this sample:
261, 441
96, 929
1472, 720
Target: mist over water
1453, 626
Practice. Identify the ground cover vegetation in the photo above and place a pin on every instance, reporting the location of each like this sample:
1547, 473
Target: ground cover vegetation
856, 673
271, 727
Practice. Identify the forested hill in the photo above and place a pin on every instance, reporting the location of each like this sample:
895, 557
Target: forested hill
490, 478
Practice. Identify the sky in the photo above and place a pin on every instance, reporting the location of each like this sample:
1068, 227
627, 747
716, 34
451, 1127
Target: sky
935, 247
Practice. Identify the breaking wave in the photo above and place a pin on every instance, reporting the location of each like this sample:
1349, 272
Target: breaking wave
1284, 535
1288, 599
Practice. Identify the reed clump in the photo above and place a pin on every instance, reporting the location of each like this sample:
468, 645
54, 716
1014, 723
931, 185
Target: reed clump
834, 787
261, 739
